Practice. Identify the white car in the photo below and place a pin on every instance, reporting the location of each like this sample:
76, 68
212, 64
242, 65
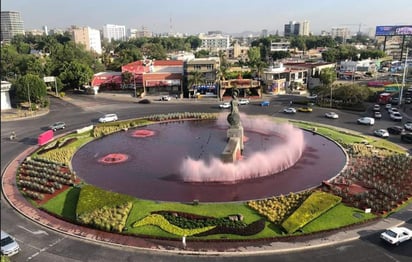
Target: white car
388, 106
9, 246
396, 116
332, 115
108, 118
396, 235
166, 98
366, 121
381, 133
393, 110
225, 105
376, 107
243, 101
408, 126
289, 110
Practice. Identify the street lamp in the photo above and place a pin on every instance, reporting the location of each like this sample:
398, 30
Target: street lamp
331, 96
405, 66
28, 95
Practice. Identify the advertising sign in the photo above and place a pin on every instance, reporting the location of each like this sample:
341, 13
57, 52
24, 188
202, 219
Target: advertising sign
393, 30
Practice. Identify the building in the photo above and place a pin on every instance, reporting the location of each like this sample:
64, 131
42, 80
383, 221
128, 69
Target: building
238, 52
214, 42
88, 37
279, 46
114, 32
279, 79
136, 33
296, 28
5, 97
341, 32
11, 25
208, 67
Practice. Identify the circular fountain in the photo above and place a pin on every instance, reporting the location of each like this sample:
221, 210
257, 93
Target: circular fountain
181, 161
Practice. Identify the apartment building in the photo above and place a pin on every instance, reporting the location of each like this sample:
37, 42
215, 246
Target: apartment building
88, 37
214, 42
296, 28
114, 32
11, 25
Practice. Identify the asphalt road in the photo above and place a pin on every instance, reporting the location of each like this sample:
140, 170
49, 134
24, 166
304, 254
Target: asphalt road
41, 244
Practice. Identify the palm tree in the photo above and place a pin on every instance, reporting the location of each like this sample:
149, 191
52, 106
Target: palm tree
195, 78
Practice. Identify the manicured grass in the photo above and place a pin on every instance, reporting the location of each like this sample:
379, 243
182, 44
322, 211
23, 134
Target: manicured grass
142, 208
64, 204
339, 216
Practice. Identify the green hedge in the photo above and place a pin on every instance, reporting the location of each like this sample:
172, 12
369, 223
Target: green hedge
315, 205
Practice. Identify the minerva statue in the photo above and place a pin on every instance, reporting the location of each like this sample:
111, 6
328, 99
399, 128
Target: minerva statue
234, 118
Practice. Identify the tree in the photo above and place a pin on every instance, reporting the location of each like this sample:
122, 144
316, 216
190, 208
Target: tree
327, 77
76, 74
195, 78
31, 88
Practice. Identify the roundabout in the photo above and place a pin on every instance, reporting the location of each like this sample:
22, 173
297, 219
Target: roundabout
220, 248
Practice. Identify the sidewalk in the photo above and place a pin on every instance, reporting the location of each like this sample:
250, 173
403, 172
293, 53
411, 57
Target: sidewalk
19, 203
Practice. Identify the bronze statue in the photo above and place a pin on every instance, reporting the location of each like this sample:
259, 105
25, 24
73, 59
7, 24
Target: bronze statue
234, 118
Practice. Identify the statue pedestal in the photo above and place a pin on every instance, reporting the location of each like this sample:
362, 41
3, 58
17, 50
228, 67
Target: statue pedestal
236, 132
234, 146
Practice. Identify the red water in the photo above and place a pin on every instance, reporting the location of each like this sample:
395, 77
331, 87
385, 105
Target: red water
154, 167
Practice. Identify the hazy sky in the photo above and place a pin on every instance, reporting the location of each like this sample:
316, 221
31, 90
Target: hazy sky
197, 16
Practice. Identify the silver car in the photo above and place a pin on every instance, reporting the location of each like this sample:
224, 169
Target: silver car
58, 125
9, 246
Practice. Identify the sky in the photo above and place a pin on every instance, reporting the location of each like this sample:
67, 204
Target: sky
201, 16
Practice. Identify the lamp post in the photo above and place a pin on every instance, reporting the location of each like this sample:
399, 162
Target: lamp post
28, 95
403, 76
134, 82
331, 96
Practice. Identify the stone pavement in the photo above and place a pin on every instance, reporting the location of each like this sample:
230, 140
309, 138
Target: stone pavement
20, 204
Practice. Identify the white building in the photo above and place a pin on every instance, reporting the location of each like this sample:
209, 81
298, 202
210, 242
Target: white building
114, 32
11, 25
88, 37
214, 42
5, 97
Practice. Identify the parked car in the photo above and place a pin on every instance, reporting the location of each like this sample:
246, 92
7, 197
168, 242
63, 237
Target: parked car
265, 103
225, 105
289, 110
243, 101
395, 130
408, 126
396, 116
9, 246
366, 121
396, 235
393, 110
57, 125
376, 107
406, 137
108, 118
166, 98
377, 115
381, 133
332, 115
305, 109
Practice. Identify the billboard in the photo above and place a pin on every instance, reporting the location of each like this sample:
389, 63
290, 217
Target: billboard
393, 30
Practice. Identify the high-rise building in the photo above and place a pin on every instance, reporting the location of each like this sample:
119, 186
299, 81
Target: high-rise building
296, 28
88, 37
11, 25
114, 32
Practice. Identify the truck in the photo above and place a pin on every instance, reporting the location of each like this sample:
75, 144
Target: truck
384, 98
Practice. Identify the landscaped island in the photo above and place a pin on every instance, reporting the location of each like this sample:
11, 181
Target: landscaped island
378, 177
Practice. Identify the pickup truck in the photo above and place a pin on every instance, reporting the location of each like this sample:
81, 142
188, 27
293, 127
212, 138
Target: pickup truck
396, 235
